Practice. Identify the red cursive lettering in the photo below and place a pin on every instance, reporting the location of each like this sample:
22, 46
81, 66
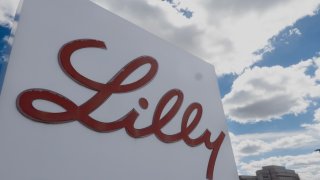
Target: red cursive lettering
81, 113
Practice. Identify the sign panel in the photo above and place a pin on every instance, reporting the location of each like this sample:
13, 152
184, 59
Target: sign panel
88, 95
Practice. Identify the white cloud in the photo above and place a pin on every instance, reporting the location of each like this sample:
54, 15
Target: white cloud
314, 128
224, 33
317, 115
7, 11
252, 147
267, 93
306, 165
294, 31
249, 145
294, 142
316, 61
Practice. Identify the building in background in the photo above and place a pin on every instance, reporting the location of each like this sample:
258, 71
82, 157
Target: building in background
248, 177
273, 173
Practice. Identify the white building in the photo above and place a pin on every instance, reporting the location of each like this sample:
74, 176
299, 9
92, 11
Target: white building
273, 173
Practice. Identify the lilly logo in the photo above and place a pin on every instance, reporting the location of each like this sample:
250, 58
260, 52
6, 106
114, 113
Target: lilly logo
81, 113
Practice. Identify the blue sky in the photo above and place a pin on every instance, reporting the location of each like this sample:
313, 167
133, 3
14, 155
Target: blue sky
4, 32
186, 12
292, 45
267, 58
288, 50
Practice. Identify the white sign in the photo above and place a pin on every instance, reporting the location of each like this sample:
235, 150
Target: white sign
87, 95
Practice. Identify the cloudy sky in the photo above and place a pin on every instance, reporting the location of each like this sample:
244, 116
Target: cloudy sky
267, 57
